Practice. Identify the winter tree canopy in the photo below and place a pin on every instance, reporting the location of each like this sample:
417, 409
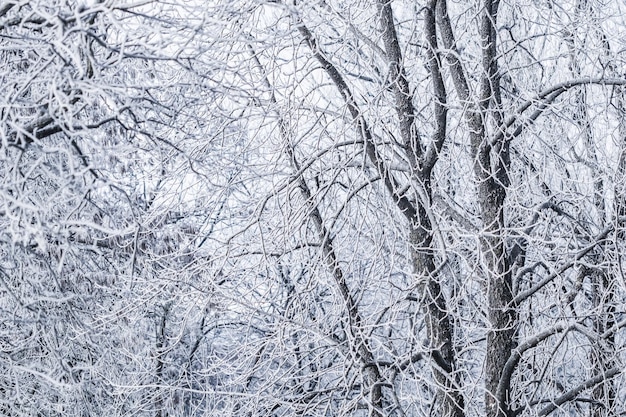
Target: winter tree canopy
314, 208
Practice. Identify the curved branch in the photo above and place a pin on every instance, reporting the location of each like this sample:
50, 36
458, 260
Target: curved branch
571, 394
511, 364
544, 99
529, 292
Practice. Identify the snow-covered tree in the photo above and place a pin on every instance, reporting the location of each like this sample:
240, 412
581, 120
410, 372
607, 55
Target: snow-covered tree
250, 207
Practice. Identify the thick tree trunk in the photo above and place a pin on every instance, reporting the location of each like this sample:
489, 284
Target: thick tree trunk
491, 167
449, 399
501, 312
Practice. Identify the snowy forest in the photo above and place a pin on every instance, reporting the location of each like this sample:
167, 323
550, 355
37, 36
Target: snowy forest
312, 208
